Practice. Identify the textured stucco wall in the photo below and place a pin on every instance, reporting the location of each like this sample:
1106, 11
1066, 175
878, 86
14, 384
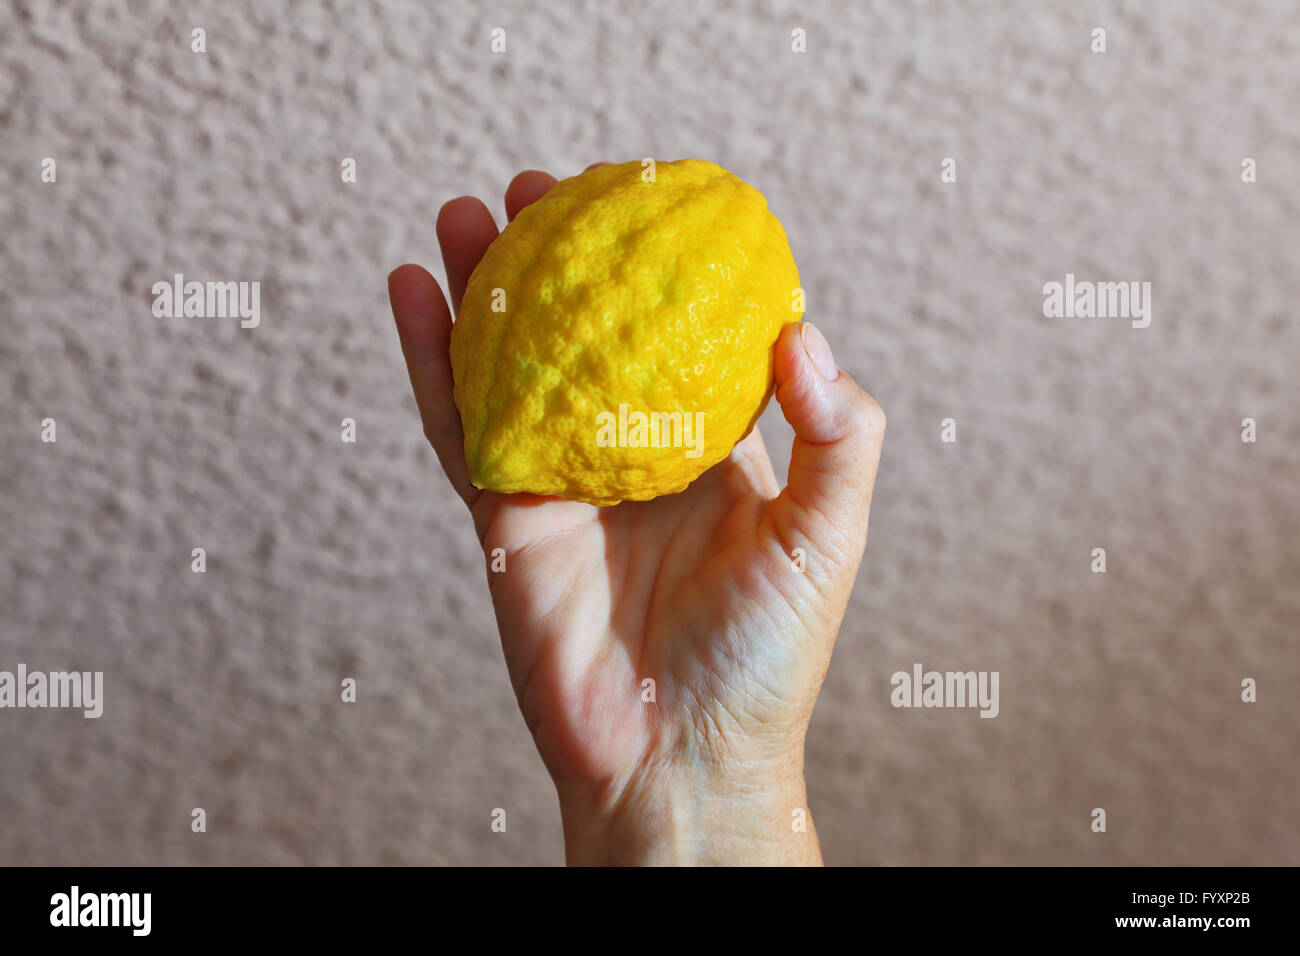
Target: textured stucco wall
324, 559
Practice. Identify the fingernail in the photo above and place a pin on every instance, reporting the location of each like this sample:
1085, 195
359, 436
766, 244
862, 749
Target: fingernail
819, 351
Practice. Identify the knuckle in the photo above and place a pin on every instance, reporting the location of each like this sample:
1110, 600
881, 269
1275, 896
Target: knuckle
873, 416
864, 413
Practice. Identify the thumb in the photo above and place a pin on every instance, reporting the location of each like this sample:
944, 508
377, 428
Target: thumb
838, 431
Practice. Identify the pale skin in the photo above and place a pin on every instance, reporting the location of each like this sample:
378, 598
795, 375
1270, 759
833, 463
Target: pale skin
698, 592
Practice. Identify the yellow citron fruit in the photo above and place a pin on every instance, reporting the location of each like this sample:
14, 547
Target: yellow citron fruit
616, 340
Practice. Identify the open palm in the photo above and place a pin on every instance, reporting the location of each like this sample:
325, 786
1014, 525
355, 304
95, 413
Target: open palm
691, 631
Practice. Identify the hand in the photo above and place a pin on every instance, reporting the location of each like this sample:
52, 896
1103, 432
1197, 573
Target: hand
697, 592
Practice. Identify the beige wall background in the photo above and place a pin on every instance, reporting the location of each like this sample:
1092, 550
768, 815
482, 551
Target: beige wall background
325, 560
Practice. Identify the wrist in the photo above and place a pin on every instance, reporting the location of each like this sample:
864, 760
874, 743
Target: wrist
692, 816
